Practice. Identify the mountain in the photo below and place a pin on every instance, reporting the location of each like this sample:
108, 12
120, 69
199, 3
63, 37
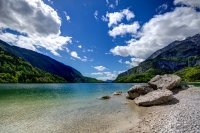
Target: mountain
47, 64
109, 81
176, 56
16, 70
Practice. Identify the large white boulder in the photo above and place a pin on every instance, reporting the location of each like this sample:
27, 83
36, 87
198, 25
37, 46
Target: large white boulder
154, 97
138, 90
167, 81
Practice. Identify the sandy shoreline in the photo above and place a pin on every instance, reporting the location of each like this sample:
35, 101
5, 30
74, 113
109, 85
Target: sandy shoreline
182, 114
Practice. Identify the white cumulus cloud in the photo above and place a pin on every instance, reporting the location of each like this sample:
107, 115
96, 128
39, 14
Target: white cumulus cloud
134, 62
97, 73
119, 72
116, 2
96, 15
111, 6
67, 16
50, 1
107, 2
160, 31
116, 17
120, 61
100, 68
192, 3
107, 76
162, 8
129, 15
38, 25
123, 29
75, 55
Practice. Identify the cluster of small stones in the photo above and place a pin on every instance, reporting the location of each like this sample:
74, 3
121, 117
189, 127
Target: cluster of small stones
181, 115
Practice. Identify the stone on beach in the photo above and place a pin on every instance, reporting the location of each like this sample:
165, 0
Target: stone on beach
154, 98
138, 90
117, 93
105, 97
167, 81
181, 117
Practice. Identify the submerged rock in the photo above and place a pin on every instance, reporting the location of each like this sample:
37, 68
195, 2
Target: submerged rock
167, 81
117, 93
105, 97
138, 90
154, 98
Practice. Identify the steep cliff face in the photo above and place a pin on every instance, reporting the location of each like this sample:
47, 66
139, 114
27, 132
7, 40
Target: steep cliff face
195, 40
158, 52
176, 56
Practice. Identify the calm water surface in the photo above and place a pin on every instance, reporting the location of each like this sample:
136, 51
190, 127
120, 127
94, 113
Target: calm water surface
64, 108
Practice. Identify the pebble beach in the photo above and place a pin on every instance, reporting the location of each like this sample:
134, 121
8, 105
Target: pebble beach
180, 115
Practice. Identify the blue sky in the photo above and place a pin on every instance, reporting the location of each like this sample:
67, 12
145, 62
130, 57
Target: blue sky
99, 38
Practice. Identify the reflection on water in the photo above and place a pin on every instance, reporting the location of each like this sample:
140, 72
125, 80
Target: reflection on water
64, 108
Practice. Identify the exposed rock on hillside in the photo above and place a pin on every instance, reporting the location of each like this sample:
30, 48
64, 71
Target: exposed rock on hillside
174, 57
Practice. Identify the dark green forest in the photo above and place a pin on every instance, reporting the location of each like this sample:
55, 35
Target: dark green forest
13, 69
47, 64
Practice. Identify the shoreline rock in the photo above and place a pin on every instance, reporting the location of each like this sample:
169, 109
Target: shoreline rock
167, 81
138, 90
154, 98
117, 93
105, 97
158, 91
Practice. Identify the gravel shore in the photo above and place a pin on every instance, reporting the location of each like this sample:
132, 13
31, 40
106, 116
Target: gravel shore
180, 115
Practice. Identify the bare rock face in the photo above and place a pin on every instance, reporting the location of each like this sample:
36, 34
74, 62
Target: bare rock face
154, 98
138, 90
167, 81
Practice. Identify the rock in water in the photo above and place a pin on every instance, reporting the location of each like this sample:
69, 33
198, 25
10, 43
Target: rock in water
117, 93
154, 98
105, 97
167, 81
138, 90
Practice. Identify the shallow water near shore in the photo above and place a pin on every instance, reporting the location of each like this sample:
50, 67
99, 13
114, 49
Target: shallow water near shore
65, 108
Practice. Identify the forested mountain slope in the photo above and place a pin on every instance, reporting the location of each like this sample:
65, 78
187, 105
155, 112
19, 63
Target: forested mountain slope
47, 64
176, 56
16, 70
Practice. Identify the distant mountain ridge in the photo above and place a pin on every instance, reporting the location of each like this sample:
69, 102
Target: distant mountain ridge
174, 57
195, 39
47, 64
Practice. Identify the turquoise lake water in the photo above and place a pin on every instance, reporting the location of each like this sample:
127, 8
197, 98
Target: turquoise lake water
64, 108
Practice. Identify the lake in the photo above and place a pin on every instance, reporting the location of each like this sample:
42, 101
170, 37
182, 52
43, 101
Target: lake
65, 108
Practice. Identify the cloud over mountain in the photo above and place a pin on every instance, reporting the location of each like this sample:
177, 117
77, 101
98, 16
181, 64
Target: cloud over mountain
161, 30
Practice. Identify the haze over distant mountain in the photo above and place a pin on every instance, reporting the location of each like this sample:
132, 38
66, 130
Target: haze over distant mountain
47, 64
178, 55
